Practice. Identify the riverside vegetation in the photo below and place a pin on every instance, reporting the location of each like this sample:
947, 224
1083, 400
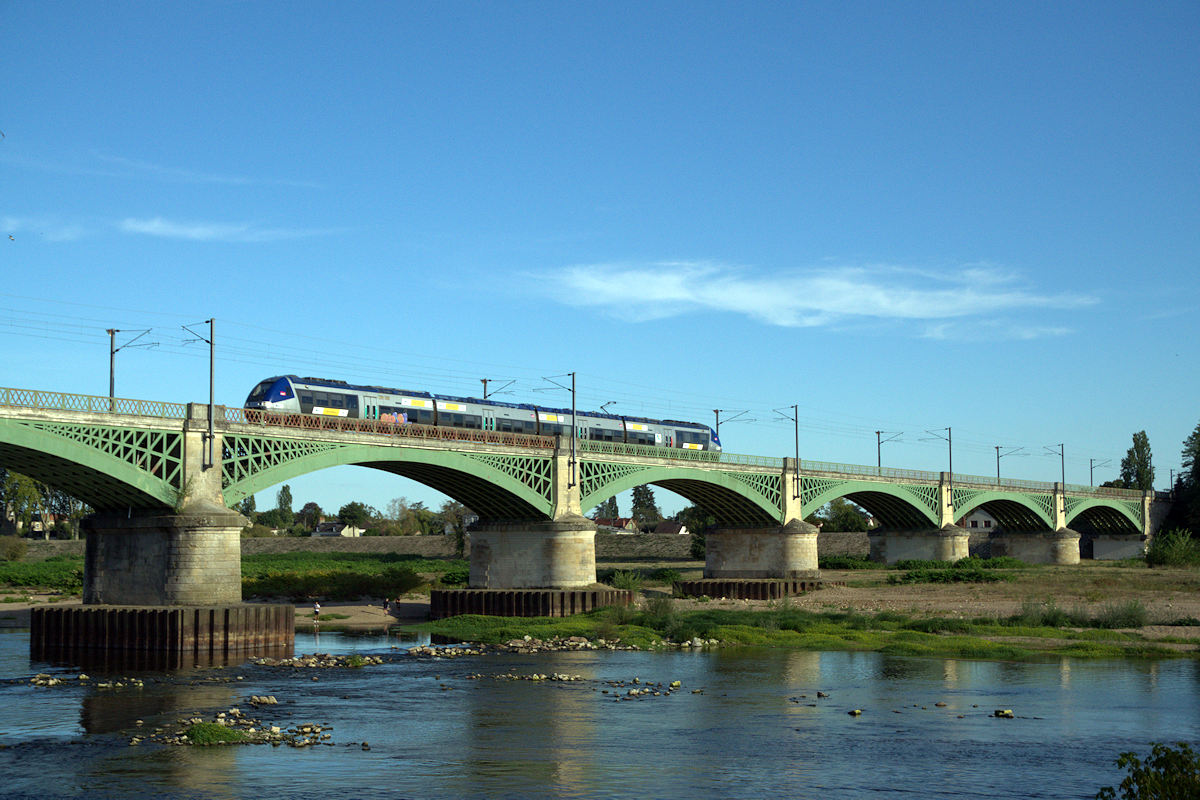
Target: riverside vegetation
1107, 626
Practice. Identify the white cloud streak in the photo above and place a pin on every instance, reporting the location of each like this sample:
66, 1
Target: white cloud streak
814, 297
212, 231
48, 228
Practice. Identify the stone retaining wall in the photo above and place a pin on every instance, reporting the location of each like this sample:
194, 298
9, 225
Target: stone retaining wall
609, 546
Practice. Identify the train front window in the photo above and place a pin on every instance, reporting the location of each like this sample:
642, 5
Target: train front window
259, 392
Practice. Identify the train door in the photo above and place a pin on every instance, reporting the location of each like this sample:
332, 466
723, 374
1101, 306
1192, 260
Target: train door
670, 440
370, 406
489, 418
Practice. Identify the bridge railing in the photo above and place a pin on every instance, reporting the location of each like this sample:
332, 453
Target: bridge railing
874, 472
1007, 483
406, 430
1106, 491
60, 401
675, 453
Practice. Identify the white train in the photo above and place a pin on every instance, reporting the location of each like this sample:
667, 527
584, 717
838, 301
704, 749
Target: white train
293, 395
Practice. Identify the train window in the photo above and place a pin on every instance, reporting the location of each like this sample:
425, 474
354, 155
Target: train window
602, 434
260, 392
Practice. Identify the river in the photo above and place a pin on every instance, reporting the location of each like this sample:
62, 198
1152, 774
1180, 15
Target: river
746, 723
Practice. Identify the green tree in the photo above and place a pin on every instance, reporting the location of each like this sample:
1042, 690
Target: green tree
309, 515
644, 509
283, 502
69, 509
1168, 774
840, 515
1187, 500
454, 514
695, 519
246, 508
1137, 471
608, 509
355, 513
24, 499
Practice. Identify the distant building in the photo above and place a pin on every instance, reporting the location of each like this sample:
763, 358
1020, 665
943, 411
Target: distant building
672, 527
335, 528
978, 520
617, 524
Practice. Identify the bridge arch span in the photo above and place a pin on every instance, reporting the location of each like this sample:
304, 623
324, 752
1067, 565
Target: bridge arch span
1104, 515
108, 468
896, 506
1012, 511
497, 487
735, 500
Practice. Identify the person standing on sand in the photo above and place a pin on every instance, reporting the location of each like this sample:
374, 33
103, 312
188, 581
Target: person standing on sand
316, 608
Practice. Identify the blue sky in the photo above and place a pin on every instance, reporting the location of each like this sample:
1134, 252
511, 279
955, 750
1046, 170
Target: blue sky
900, 216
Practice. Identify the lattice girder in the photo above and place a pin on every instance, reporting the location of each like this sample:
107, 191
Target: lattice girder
109, 468
896, 506
733, 497
1104, 515
1013, 511
509, 487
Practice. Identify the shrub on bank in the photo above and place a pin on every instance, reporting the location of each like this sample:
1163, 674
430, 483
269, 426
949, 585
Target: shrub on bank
12, 548
1169, 773
849, 562
1176, 548
950, 575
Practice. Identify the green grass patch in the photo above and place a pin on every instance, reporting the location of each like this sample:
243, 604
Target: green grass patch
304, 561
948, 575
849, 562
788, 627
211, 733
339, 576
62, 574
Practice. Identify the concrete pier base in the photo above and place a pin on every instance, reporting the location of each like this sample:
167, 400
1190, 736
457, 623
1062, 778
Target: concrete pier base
523, 602
1109, 547
949, 543
1039, 547
536, 555
173, 636
787, 552
155, 559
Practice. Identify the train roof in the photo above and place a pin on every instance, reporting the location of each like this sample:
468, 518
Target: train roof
336, 384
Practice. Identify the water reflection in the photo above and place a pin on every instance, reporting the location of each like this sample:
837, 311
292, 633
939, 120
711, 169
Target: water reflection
436, 731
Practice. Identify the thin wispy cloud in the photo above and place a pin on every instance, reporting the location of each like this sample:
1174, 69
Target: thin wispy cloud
815, 297
213, 231
134, 167
47, 228
102, 165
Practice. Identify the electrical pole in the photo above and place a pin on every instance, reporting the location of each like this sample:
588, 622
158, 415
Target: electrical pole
879, 442
112, 359
211, 375
1092, 464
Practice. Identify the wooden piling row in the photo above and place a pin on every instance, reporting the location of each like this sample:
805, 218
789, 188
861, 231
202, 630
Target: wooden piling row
210, 630
522, 602
749, 588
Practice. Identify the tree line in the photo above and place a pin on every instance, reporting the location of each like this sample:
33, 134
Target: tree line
402, 517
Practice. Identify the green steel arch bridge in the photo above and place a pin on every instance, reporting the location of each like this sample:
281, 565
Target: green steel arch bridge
136, 459
121, 454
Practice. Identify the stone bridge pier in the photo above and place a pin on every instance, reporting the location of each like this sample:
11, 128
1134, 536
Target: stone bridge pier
534, 568
762, 563
168, 581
